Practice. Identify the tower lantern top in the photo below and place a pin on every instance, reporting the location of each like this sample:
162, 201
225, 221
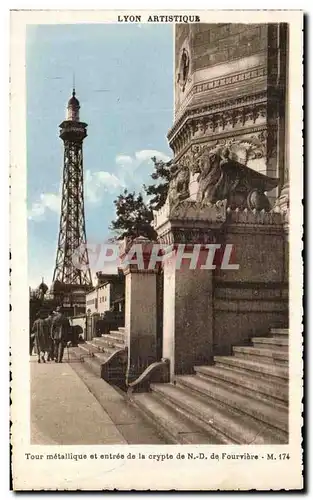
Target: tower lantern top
73, 108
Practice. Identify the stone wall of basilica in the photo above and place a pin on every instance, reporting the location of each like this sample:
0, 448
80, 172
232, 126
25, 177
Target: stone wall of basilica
230, 90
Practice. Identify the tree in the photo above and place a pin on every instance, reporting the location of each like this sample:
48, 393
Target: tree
159, 190
133, 217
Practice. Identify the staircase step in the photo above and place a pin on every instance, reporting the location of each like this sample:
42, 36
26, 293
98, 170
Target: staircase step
106, 347
94, 365
83, 350
284, 332
103, 341
251, 385
102, 357
262, 412
93, 347
77, 354
216, 436
89, 347
108, 351
98, 359
267, 355
93, 360
121, 329
234, 426
269, 343
264, 370
111, 338
116, 334
86, 350
176, 428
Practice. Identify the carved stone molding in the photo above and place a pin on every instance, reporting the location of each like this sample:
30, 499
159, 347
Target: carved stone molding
243, 149
254, 217
198, 111
227, 122
189, 211
282, 205
242, 76
197, 144
172, 232
185, 236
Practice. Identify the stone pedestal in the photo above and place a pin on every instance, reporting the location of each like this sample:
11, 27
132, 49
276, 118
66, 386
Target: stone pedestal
251, 300
140, 311
188, 292
187, 317
206, 312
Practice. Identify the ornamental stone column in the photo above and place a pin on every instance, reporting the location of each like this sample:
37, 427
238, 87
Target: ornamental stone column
140, 306
188, 288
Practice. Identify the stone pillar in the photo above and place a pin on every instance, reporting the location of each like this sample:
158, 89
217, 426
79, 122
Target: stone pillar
140, 307
188, 292
187, 316
282, 202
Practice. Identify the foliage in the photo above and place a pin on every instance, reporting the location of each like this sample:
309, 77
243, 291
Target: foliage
133, 215
158, 190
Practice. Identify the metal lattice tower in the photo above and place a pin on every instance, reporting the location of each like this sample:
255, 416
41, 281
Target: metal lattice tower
72, 246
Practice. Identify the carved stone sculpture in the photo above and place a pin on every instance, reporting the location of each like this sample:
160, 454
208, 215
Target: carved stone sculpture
222, 178
179, 184
183, 69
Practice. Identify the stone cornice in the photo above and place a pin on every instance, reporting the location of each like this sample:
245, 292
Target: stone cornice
193, 222
226, 80
190, 211
189, 222
201, 110
254, 217
241, 76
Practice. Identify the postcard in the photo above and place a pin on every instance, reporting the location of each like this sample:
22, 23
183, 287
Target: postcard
156, 235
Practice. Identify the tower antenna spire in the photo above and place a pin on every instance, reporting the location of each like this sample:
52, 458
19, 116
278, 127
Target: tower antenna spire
74, 91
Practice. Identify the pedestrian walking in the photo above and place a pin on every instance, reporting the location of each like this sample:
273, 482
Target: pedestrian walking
48, 326
59, 332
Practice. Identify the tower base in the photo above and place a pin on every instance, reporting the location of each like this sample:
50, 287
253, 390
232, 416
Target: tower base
72, 298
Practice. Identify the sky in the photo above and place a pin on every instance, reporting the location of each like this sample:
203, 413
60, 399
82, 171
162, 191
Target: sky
124, 82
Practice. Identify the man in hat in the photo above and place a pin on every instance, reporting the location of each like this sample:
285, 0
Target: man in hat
59, 333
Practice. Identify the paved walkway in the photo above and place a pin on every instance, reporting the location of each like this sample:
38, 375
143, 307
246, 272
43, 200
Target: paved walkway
71, 406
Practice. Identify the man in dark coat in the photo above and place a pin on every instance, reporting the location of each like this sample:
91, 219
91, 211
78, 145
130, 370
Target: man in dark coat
59, 333
48, 325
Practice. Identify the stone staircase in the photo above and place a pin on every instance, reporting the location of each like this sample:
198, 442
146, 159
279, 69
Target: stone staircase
105, 356
241, 399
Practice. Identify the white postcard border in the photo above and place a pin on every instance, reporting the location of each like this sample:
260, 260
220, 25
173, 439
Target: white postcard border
148, 474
